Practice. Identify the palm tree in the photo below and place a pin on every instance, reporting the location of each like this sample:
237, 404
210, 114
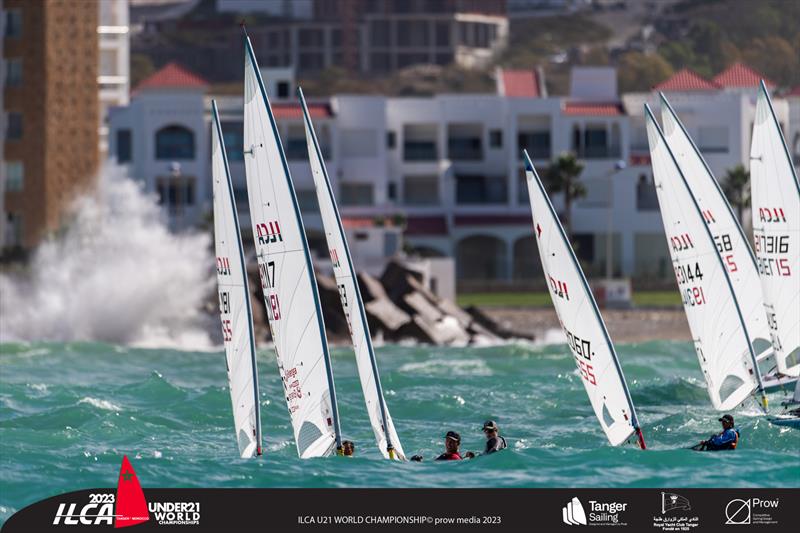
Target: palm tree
737, 188
562, 176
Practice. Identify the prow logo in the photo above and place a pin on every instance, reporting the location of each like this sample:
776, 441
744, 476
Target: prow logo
573, 514
131, 505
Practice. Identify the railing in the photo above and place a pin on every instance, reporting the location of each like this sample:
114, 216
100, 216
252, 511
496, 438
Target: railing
465, 149
419, 151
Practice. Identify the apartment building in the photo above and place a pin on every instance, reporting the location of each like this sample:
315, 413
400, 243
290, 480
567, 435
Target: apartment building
446, 170
50, 114
113, 76
377, 36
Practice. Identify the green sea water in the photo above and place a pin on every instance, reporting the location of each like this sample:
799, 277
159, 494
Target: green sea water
68, 412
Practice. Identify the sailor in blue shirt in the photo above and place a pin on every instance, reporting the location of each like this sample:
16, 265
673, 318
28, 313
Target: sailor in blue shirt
727, 440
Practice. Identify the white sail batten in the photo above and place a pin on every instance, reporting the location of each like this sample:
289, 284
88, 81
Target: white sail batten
720, 336
776, 232
234, 302
729, 238
287, 276
350, 295
580, 319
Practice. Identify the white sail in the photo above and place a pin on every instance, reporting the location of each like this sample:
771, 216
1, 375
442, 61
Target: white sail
720, 337
580, 319
287, 276
234, 302
729, 238
776, 231
353, 306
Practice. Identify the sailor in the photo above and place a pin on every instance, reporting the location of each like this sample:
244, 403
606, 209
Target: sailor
494, 442
452, 441
726, 440
348, 448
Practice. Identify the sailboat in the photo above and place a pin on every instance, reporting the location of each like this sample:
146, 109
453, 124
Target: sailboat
721, 337
729, 238
776, 232
234, 301
350, 295
791, 417
287, 276
580, 319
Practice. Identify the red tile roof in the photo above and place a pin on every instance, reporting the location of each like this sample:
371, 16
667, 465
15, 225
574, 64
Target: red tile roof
291, 110
367, 221
592, 108
520, 83
172, 75
432, 225
740, 75
686, 80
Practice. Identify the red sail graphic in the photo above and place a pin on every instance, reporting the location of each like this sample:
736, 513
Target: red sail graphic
131, 505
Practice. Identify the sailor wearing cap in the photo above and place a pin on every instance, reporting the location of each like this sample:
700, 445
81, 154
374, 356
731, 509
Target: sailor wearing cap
494, 442
727, 440
452, 441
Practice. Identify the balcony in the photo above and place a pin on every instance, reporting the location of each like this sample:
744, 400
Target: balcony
420, 151
465, 149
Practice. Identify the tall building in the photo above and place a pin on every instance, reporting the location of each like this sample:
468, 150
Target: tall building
113, 76
50, 113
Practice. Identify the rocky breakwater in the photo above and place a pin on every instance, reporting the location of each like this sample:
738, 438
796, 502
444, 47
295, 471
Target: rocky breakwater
399, 308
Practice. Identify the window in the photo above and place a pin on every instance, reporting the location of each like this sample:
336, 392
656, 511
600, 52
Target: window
356, 194
495, 138
283, 89
391, 191
380, 33
359, 143
464, 142
536, 142
713, 139
13, 23
176, 192
311, 38
481, 190
391, 140
595, 142
14, 229
421, 190
296, 147
15, 173
443, 34
646, 196
174, 142
419, 142
14, 126
124, 146
13, 72
233, 137
307, 200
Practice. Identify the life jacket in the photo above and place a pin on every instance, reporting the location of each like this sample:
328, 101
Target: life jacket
732, 445
455, 456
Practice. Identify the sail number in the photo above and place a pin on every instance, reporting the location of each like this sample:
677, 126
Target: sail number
688, 273
225, 309
772, 320
558, 287
291, 384
582, 351
266, 272
693, 296
772, 244
724, 244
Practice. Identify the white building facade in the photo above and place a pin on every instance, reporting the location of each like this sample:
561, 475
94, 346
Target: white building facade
447, 171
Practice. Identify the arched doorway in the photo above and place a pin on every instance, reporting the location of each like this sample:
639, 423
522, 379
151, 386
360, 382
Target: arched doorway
481, 257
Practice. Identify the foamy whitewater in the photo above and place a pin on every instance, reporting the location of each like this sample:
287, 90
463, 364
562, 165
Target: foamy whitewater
115, 274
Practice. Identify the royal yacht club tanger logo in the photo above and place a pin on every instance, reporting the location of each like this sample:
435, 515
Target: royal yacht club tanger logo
672, 502
675, 514
600, 513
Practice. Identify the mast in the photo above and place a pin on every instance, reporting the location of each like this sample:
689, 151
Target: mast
756, 370
360, 303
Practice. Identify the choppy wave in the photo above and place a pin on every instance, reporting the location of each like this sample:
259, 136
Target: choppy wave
68, 412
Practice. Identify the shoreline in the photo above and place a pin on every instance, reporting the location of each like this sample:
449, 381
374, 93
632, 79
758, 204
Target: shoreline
624, 325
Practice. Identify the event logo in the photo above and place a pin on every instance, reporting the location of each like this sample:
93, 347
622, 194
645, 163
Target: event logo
131, 505
573, 514
751, 511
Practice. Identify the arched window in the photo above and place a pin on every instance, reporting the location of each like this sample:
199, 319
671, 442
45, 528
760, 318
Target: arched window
174, 142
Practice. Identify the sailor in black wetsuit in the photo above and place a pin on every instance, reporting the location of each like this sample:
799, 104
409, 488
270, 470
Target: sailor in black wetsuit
494, 442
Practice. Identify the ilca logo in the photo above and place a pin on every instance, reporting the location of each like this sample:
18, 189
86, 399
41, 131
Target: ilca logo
573, 514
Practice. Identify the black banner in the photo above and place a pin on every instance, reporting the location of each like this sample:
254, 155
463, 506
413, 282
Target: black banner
423, 510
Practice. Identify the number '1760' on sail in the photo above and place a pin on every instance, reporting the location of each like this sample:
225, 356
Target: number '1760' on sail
580, 319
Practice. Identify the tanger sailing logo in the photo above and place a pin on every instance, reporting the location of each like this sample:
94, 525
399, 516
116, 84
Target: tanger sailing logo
573, 514
131, 507
671, 502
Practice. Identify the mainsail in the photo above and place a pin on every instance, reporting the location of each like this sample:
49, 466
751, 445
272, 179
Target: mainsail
287, 276
581, 321
776, 231
350, 295
728, 235
720, 337
234, 301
